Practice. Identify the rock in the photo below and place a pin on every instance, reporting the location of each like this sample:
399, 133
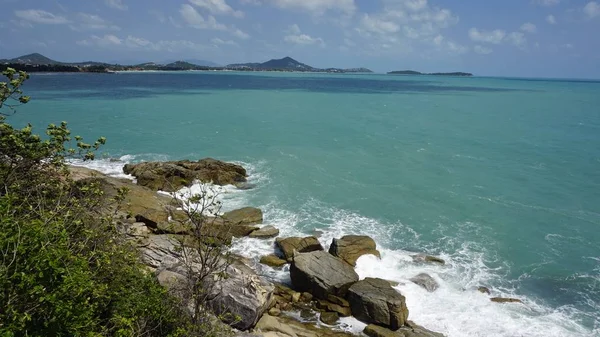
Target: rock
242, 294
411, 330
484, 290
273, 260
375, 301
327, 306
274, 312
296, 297
244, 216
266, 232
138, 229
425, 281
329, 318
505, 300
269, 326
172, 176
321, 274
349, 248
422, 258
301, 245
338, 300
306, 297
171, 280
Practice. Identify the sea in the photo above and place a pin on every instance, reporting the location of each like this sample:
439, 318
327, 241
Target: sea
500, 177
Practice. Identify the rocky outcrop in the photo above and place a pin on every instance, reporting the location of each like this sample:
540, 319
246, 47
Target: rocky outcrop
321, 274
329, 317
266, 232
242, 296
273, 260
423, 258
340, 308
410, 330
484, 290
505, 300
244, 216
349, 248
300, 245
270, 326
172, 176
375, 301
425, 281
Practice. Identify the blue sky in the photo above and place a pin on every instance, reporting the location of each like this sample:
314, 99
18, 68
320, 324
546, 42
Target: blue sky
545, 38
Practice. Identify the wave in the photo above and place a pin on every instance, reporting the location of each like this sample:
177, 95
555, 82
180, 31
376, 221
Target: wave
455, 309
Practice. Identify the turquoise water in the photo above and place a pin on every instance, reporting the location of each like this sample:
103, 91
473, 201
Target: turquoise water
498, 176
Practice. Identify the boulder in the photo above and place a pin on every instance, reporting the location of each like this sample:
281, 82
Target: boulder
281, 326
349, 248
241, 294
300, 245
327, 306
484, 290
244, 216
375, 301
273, 260
266, 232
411, 330
329, 318
505, 300
172, 176
321, 274
425, 281
423, 258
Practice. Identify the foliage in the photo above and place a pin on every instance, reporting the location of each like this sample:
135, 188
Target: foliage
64, 269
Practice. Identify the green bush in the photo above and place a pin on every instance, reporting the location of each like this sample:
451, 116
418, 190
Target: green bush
64, 269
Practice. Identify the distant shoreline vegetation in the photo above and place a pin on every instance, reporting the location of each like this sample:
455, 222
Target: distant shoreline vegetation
33, 63
412, 72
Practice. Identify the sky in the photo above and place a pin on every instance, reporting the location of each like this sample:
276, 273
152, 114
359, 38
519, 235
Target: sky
522, 38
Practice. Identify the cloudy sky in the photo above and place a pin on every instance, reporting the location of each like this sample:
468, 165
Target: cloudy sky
546, 38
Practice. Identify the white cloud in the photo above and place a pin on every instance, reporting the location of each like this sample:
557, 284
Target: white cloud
217, 7
517, 38
317, 7
133, 43
295, 36
116, 4
92, 22
482, 50
551, 19
101, 41
495, 36
218, 41
240, 34
546, 2
378, 25
196, 20
40, 16
529, 28
456, 48
592, 9
438, 40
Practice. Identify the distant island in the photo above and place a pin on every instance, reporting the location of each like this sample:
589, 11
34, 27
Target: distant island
40, 63
412, 72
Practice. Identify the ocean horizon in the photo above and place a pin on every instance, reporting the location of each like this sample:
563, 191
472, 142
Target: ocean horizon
498, 176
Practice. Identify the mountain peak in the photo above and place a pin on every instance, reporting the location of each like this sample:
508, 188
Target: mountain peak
34, 58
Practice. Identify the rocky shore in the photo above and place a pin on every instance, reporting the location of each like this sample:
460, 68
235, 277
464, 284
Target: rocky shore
324, 284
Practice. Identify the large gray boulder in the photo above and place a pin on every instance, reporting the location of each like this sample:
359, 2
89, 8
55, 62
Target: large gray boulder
172, 176
266, 232
425, 281
321, 274
350, 247
375, 301
300, 245
241, 294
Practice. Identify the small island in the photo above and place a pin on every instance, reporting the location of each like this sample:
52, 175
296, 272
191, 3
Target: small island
412, 72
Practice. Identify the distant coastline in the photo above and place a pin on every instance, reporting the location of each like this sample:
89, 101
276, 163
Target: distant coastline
412, 72
34, 63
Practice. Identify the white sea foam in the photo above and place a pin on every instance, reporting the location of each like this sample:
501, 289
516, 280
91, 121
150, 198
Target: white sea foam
456, 309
